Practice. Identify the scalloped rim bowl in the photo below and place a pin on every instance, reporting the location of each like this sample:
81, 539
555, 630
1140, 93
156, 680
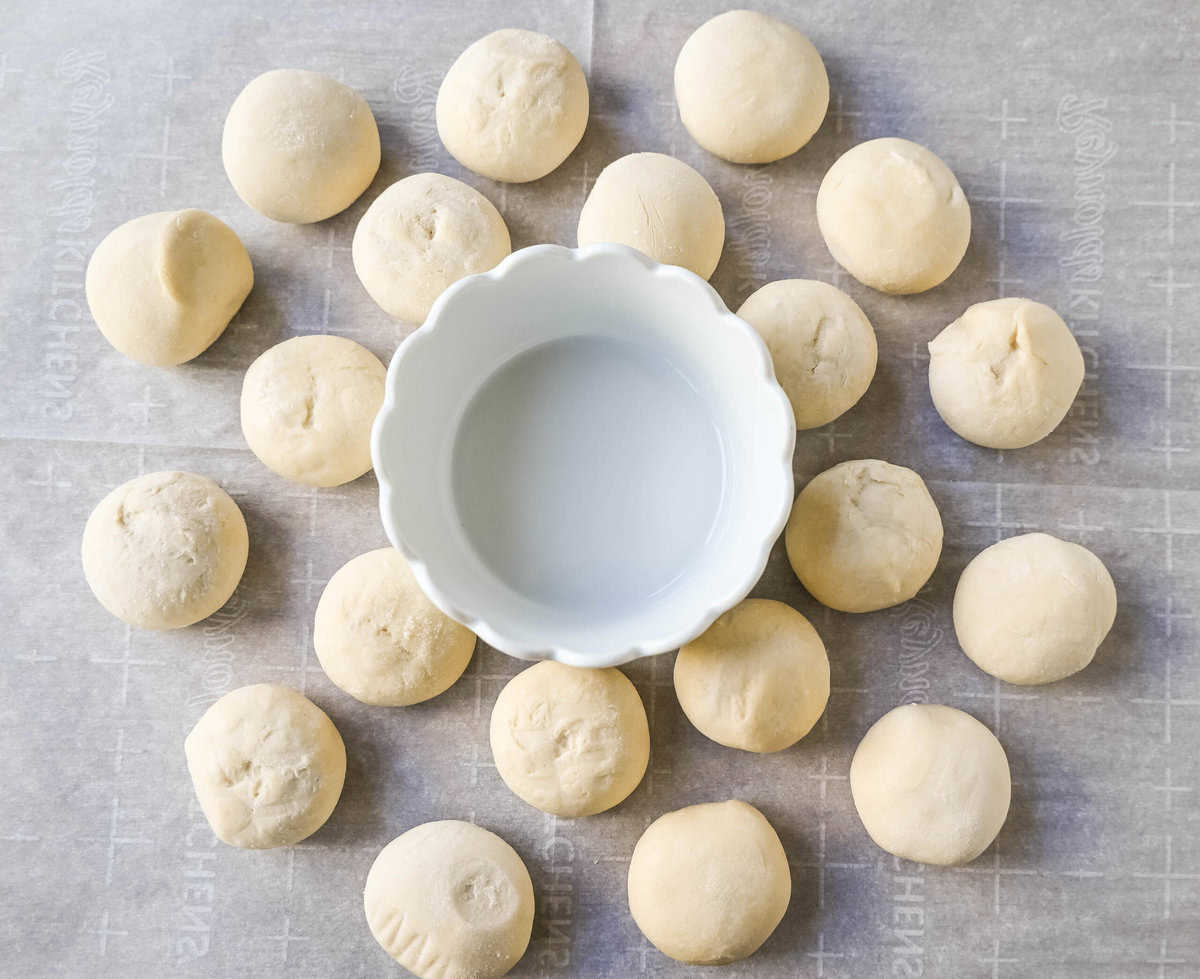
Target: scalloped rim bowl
584, 455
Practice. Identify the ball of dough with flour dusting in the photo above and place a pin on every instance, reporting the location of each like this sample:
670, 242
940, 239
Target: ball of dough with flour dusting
864, 535
420, 236
1033, 608
513, 106
709, 883
381, 640
307, 408
1004, 374
750, 88
893, 215
658, 205
299, 146
164, 286
165, 550
568, 740
267, 765
449, 898
821, 343
931, 784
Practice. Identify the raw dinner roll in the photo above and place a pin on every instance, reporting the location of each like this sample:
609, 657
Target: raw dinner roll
513, 106
750, 88
757, 679
299, 146
449, 899
1033, 608
658, 205
894, 216
164, 286
930, 784
267, 765
307, 408
864, 535
165, 550
381, 640
568, 740
709, 883
821, 343
422, 234
1004, 374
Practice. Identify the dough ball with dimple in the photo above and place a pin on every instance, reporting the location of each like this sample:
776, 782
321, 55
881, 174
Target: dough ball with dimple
299, 146
1033, 608
756, 679
821, 343
450, 899
420, 236
864, 535
750, 88
930, 784
165, 550
307, 408
1004, 374
893, 215
513, 106
164, 286
381, 640
658, 205
267, 765
568, 740
709, 883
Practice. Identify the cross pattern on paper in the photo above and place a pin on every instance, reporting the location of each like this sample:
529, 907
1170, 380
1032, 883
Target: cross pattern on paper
653, 684
821, 955
331, 247
1002, 280
1170, 204
147, 405
1169, 789
477, 763
995, 960
105, 932
1168, 368
127, 662
995, 871
1173, 122
285, 937
163, 156
120, 749
1168, 875
114, 839
822, 864
1166, 701
1005, 119
1003, 199
996, 696
49, 482
840, 114
1170, 616
170, 77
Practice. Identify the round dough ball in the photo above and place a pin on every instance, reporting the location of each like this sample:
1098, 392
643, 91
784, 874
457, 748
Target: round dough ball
381, 640
821, 343
513, 106
709, 883
570, 741
930, 784
658, 205
756, 679
1004, 374
894, 216
422, 235
864, 535
450, 899
750, 88
1033, 608
308, 405
267, 765
164, 286
165, 550
299, 146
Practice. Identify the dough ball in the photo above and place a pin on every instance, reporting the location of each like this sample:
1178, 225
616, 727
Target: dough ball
570, 741
307, 408
709, 883
299, 146
165, 550
513, 106
164, 286
420, 236
821, 343
1033, 608
450, 899
658, 205
1004, 374
930, 784
267, 765
381, 640
750, 88
894, 216
864, 535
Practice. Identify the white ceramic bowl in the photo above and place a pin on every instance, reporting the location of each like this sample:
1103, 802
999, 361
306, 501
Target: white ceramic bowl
584, 455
